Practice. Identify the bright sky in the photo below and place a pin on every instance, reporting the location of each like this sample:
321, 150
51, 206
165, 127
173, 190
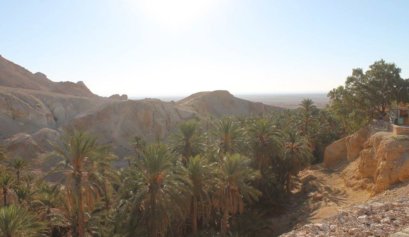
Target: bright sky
178, 47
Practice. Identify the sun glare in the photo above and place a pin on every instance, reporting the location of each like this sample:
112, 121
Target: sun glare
176, 14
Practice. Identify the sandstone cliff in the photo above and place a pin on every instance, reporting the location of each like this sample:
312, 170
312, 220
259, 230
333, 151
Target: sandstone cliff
385, 160
345, 149
382, 159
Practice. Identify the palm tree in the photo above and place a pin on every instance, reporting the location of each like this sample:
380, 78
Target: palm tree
204, 178
235, 187
24, 194
265, 142
18, 165
102, 175
229, 135
6, 182
139, 145
3, 156
48, 203
297, 155
17, 222
159, 191
77, 151
187, 141
307, 108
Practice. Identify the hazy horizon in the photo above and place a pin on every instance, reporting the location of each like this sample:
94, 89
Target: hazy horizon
235, 94
157, 48
284, 100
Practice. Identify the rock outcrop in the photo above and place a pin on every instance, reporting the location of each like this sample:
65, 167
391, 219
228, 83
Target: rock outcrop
345, 149
118, 122
355, 143
385, 159
22, 145
15, 76
118, 97
27, 111
335, 153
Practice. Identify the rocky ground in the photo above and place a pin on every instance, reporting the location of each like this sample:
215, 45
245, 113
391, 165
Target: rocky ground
362, 189
384, 215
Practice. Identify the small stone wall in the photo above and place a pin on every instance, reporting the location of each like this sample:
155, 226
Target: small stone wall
400, 130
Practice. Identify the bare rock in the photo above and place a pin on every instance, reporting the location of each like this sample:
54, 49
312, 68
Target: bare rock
22, 145
118, 97
355, 143
221, 103
385, 159
335, 153
345, 149
46, 138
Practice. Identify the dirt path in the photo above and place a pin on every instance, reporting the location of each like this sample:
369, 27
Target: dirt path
320, 194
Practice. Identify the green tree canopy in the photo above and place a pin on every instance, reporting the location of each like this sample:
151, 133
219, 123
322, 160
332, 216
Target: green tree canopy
368, 95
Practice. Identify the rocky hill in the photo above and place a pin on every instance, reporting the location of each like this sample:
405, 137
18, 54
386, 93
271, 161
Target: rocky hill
221, 103
31, 103
118, 122
15, 76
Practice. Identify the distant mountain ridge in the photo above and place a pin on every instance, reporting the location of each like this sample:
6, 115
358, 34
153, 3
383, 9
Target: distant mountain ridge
15, 76
30, 103
221, 103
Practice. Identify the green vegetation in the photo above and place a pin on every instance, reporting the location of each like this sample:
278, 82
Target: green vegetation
367, 96
209, 178
205, 181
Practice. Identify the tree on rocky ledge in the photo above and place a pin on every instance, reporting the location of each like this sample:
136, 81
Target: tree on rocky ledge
368, 95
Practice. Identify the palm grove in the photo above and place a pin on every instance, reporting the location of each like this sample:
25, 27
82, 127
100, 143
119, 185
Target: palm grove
208, 179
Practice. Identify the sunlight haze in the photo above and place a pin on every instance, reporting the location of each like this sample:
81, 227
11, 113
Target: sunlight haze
179, 47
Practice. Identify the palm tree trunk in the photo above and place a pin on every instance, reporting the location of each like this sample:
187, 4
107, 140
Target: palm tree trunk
288, 183
194, 216
224, 222
79, 229
107, 199
18, 176
81, 224
153, 228
5, 197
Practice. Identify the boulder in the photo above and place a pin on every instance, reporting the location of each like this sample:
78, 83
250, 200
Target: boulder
385, 159
345, 149
355, 143
335, 153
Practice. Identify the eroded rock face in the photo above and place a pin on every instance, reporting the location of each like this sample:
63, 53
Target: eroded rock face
345, 149
119, 97
355, 143
335, 153
28, 110
22, 112
118, 122
46, 138
15, 76
385, 160
22, 145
